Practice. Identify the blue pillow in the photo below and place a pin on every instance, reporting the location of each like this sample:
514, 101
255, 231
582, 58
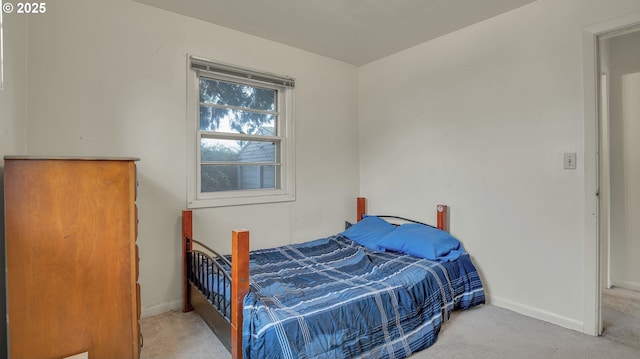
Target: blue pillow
422, 241
369, 231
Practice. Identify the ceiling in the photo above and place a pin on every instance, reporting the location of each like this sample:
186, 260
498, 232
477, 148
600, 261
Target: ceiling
353, 31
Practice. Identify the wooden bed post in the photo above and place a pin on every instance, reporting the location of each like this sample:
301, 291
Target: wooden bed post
187, 233
443, 217
239, 287
362, 208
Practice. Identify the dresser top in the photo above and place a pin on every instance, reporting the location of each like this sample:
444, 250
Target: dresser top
72, 158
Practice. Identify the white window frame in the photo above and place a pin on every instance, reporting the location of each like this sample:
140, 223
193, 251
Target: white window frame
285, 183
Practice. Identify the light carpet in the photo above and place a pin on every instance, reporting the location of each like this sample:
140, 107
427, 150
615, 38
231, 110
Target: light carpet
621, 316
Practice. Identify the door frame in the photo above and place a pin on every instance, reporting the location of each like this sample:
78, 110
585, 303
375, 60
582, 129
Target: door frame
593, 280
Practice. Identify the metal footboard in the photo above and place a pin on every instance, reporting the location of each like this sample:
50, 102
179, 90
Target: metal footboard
208, 271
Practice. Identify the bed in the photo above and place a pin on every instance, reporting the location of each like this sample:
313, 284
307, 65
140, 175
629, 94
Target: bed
374, 290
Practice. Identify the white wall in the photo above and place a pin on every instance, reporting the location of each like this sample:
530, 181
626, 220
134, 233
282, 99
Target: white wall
479, 119
12, 124
13, 97
109, 78
624, 74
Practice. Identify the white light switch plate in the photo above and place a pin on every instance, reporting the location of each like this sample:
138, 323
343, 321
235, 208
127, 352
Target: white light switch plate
569, 161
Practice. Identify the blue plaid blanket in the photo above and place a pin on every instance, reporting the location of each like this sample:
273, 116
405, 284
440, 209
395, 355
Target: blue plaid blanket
332, 298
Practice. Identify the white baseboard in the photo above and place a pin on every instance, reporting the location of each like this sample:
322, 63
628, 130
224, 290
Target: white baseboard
538, 314
626, 284
161, 308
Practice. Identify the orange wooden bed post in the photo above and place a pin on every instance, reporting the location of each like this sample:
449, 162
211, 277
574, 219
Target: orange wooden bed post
362, 208
187, 232
443, 220
239, 287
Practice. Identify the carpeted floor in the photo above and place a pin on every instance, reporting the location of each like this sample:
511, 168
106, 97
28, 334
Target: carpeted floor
621, 316
484, 332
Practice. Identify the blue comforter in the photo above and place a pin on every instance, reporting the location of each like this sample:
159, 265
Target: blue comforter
332, 298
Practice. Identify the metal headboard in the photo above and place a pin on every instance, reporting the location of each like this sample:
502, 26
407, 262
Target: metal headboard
384, 216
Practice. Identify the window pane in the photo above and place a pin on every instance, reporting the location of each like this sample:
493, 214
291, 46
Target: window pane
237, 95
237, 151
236, 121
217, 178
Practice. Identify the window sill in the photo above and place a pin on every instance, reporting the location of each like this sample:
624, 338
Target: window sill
239, 200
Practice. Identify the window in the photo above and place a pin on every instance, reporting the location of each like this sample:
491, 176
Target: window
240, 136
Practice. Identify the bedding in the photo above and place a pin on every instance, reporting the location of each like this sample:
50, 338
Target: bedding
334, 298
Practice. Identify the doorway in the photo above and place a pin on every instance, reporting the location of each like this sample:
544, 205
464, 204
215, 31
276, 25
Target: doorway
619, 182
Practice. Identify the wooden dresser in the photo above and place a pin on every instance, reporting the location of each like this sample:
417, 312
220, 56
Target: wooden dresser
72, 258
